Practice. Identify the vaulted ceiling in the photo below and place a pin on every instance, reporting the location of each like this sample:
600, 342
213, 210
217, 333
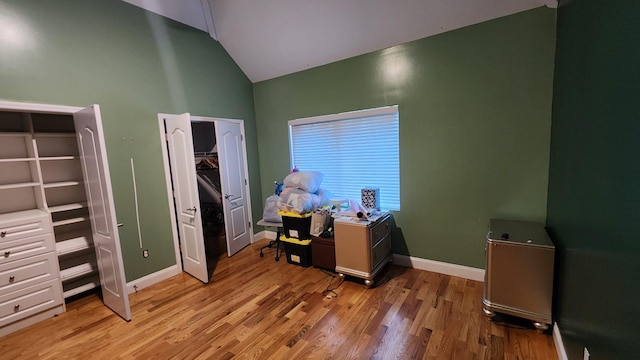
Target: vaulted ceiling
271, 38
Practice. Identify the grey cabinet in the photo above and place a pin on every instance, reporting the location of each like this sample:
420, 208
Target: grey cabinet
363, 247
519, 271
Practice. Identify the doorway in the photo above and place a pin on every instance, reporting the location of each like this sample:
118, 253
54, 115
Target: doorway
206, 174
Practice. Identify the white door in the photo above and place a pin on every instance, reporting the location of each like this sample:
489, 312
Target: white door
233, 181
187, 201
106, 239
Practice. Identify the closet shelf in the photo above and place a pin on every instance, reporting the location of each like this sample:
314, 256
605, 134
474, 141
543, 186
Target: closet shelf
71, 242
53, 135
61, 184
78, 271
51, 158
18, 185
17, 160
67, 207
81, 285
15, 134
74, 220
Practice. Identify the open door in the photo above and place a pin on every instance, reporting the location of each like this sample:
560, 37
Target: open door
187, 202
233, 181
106, 239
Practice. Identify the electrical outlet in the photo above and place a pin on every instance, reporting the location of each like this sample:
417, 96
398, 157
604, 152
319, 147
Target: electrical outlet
145, 253
586, 354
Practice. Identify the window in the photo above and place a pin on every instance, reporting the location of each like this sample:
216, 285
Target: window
353, 150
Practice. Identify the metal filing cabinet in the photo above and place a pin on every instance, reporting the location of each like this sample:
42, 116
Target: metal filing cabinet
519, 271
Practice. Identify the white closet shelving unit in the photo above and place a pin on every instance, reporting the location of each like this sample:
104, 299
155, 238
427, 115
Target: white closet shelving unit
57, 241
40, 167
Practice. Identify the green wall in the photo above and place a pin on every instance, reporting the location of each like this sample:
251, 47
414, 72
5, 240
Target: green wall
475, 118
134, 64
594, 198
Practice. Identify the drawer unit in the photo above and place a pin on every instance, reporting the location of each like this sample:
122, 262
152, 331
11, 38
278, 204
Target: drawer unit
30, 288
23, 224
20, 304
362, 248
21, 248
30, 271
519, 271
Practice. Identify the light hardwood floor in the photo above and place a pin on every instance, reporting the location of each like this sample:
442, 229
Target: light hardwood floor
256, 308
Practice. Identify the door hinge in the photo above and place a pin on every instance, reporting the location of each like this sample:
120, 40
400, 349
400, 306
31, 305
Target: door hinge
241, 137
249, 222
245, 181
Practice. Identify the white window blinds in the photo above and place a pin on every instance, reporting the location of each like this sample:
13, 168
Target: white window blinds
353, 150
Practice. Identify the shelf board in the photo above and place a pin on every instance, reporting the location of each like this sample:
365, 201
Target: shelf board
54, 135
18, 185
54, 158
78, 271
72, 242
9, 160
61, 184
15, 134
73, 220
81, 285
67, 207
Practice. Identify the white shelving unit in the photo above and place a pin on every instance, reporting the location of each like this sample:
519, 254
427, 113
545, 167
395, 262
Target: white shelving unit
40, 169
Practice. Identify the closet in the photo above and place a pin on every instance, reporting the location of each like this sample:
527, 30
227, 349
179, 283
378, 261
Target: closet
56, 214
205, 164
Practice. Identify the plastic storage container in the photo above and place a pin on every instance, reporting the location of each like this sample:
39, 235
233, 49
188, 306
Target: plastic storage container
298, 251
296, 226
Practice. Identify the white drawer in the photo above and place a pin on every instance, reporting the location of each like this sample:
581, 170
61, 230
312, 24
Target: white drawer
12, 250
23, 273
23, 224
29, 301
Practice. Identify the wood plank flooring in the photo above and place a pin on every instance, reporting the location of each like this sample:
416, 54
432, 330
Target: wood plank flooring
257, 308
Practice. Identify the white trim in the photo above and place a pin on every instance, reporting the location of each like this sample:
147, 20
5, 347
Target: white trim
265, 234
466, 272
135, 198
557, 340
153, 278
167, 180
34, 107
345, 115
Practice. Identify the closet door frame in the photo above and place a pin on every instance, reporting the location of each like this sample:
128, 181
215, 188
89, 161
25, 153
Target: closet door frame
167, 174
123, 310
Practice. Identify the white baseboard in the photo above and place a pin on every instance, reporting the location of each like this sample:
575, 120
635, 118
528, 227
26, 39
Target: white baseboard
266, 234
465, 272
557, 340
153, 278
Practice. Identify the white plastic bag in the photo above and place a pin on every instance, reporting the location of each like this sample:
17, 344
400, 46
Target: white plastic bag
270, 212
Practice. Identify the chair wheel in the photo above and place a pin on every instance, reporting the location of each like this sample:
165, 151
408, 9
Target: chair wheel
278, 258
261, 255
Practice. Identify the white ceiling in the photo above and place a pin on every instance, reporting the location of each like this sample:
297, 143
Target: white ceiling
271, 38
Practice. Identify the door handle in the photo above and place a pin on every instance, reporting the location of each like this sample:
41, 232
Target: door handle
227, 196
192, 209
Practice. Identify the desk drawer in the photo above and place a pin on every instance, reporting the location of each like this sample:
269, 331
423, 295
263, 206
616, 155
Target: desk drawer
16, 249
380, 251
23, 224
23, 273
29, 301
380, 230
